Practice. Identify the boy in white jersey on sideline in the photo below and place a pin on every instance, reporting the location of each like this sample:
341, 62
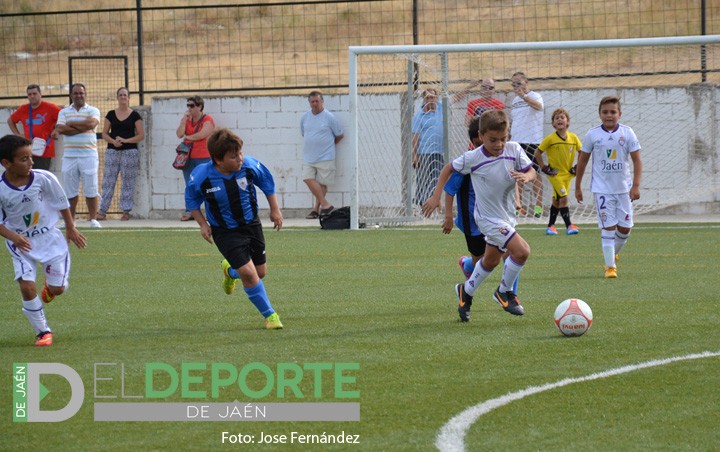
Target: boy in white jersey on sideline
612, 146
31, 203
494, 169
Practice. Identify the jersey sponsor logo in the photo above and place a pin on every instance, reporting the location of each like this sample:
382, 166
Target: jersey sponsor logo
213, 189
611, 154
31, 219
612, 166
242, 183
34, 232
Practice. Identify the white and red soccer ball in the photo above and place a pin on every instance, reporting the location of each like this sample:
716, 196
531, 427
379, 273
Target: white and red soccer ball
573, 317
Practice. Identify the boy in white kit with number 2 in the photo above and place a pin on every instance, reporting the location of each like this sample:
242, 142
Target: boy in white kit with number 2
612, 146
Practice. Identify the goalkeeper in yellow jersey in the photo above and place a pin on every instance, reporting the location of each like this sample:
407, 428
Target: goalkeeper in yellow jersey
561, 148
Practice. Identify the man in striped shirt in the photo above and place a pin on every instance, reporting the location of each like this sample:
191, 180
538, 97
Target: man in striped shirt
77, 123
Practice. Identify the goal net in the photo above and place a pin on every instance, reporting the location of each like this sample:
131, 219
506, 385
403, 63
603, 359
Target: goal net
667, 86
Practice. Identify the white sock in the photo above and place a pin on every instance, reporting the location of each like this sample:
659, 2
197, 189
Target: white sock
511, 270
620, 241
35, 313
608, 247
478, 276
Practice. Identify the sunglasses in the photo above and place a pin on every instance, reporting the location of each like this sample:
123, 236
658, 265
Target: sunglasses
190, 105
487, 87
516, 84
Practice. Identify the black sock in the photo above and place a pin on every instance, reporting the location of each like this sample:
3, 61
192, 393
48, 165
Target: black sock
565, 214
553, 215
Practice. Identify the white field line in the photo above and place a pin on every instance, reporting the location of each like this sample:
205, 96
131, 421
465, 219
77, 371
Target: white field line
451, 437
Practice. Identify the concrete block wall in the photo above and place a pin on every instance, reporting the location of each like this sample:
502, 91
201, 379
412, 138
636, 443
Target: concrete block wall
269, 126
270, 129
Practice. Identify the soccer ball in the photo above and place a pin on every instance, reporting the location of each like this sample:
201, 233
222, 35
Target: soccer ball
573, 317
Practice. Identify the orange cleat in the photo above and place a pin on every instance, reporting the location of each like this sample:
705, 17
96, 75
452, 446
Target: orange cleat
44, 339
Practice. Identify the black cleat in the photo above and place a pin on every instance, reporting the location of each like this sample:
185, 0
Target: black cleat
464, 302
509, 302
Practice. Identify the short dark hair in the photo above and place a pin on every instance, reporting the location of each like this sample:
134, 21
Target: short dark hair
315, 93
77, 84
33, 86
9, 145
120, 89
199, 102
474, 127
609, 100
222, 141
495, 120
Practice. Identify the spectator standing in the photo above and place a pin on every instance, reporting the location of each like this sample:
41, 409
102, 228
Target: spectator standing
428, 145
123, 130
485, 102
38, 119
78, 124
321, 133
195, 126
527, 129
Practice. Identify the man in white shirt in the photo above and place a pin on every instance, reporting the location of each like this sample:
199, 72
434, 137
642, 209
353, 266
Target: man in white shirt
527, 129
77, 123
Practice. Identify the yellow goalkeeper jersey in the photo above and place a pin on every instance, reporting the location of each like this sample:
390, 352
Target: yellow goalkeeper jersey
561, 153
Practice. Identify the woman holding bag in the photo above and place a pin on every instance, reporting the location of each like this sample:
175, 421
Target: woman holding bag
194, 128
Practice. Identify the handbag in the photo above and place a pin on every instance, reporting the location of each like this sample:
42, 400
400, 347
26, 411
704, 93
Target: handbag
182, 151
182, 157
38, 146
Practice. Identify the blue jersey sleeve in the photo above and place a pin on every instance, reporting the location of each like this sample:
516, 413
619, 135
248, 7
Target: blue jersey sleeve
453, 184
193, 196
262, 178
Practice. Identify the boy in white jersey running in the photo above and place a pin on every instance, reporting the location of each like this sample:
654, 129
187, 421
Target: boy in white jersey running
494, 169
612, 146
31, 202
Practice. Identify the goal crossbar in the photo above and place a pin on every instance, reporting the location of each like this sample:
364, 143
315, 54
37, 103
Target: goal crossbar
444, 49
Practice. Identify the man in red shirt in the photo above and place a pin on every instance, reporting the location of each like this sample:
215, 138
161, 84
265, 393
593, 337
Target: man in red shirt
485, 102
38, 119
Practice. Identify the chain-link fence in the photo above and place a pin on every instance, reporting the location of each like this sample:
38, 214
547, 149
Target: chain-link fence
294, 46
166, 48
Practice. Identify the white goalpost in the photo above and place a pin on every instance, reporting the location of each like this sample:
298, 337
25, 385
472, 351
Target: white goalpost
668, 88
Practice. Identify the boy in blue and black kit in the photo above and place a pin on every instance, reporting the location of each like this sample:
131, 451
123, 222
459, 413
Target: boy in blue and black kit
227, 186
